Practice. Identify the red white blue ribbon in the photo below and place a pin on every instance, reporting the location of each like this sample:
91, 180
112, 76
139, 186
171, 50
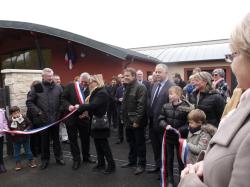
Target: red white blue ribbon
79, 93
183, 152
33, 131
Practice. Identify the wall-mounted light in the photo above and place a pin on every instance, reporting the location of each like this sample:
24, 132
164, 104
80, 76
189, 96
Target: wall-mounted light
82, 55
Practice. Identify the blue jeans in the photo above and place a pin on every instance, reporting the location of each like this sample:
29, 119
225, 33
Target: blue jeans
26, 146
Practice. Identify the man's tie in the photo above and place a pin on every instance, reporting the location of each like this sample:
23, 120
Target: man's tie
156, 93
82, 91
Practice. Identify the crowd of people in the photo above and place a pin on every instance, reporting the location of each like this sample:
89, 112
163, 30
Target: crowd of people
162, 108
131, 104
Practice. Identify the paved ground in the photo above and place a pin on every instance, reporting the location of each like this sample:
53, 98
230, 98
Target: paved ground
64, 176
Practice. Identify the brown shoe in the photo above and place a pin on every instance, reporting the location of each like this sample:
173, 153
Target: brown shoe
18, 166
32, 164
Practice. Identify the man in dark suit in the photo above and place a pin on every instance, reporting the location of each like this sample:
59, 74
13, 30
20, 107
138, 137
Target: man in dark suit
159, 96
75, 94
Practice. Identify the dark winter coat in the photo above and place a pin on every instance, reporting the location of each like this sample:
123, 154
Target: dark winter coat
98, 105
43, 101
223, 89
69, 97
176, 116
24, 125
212, 103
134, 105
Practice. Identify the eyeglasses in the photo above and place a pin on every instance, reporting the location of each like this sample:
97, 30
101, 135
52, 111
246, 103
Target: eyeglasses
215, 75
230, 57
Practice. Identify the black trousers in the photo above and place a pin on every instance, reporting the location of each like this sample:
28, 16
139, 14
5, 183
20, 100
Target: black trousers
1, 150
74, 127
137, 147
51, 133
120, 124
35, 144
170, 147
156, 140
103, 151
112, 115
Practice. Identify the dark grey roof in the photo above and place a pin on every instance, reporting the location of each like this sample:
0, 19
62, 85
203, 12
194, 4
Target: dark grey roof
106, 48
188, 52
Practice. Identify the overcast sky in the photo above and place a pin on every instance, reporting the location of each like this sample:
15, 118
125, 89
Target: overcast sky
133, 23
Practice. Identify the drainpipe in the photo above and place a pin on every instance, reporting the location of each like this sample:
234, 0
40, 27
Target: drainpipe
126, 64
40, 64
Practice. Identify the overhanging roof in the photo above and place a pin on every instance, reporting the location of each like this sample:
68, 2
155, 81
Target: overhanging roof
188, 52
124, 54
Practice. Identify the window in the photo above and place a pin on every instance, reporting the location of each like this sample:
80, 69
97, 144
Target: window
26, 59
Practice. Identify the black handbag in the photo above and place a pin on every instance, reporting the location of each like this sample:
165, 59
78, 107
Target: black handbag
99, 123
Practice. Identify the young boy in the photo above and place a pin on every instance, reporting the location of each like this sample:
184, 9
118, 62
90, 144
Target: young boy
174, 115
199, 135
20, 123
3, 126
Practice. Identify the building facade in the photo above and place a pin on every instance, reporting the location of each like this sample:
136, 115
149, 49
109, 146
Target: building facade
31, 46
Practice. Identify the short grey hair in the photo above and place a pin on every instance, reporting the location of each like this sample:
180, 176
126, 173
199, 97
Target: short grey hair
139, 71
219, 71
163, 66
85, 75
47, 70
240, 37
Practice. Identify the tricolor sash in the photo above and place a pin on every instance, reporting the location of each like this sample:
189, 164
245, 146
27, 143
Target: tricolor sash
183, 153
80, 95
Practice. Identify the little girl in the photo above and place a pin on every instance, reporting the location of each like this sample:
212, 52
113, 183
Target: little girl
20, 123
3, 126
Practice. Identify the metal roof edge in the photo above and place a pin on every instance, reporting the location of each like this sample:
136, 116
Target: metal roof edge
191, 61
187, 44
106, 48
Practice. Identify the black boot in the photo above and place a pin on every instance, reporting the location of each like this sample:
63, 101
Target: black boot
60, 162
44, 164
2, 168
76, 165
110, 169
98, 167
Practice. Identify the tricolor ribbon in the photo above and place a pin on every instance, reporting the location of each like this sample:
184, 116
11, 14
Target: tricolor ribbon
32, 131
183, 153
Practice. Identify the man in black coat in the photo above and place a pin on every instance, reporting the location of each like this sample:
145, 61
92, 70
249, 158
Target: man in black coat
43, 101
159, 96
134, 116
75, 94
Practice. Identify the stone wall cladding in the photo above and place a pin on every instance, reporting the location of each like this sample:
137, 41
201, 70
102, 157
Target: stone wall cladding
19, 81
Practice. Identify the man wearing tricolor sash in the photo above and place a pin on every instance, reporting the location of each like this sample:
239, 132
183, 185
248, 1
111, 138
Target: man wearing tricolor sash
75, 94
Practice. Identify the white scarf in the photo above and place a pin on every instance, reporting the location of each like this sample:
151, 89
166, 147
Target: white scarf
16, 121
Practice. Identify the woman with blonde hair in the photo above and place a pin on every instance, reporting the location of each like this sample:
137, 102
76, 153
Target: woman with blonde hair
206, 98
96, 105
226, 162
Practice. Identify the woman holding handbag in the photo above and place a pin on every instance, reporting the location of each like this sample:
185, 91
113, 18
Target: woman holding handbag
96, 106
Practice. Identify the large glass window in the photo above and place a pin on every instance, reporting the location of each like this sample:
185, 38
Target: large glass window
28, 59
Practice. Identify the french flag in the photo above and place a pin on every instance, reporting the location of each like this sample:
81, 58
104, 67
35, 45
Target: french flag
68, 60
183, 150
70, 56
